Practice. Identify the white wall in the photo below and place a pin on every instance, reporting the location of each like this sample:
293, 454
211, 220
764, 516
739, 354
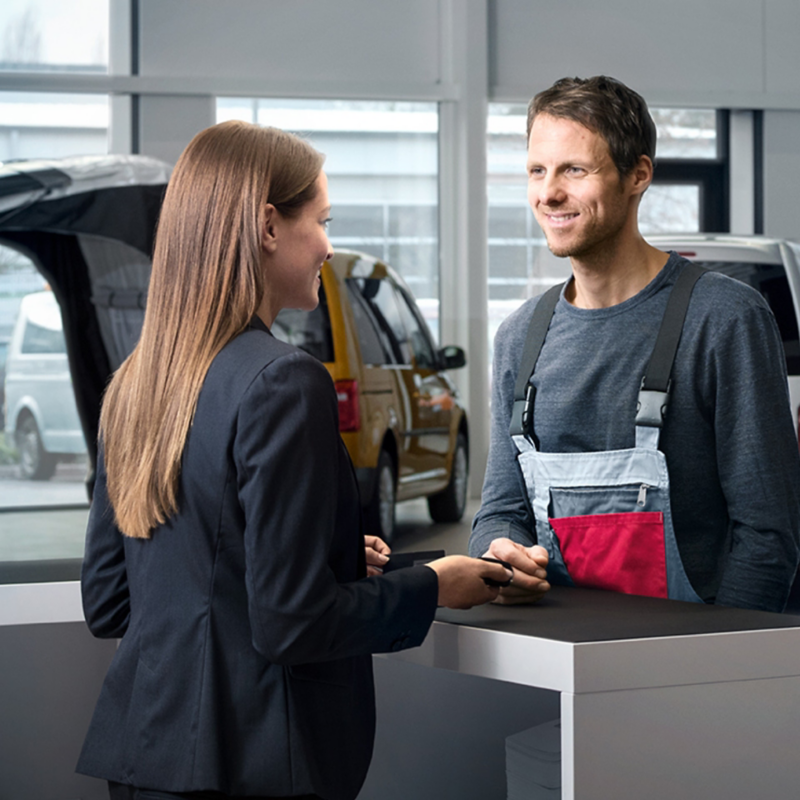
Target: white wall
282, 42
782, 174
718, 53
681, 47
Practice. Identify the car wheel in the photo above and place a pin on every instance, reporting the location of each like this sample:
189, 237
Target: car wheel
449, 504
380, 511
35, 463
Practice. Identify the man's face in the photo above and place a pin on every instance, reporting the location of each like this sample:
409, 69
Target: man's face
574, 188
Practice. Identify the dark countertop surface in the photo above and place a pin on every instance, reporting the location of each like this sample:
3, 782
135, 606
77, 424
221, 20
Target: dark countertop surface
574, 615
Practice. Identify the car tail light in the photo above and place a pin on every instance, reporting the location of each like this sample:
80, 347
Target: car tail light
349, 410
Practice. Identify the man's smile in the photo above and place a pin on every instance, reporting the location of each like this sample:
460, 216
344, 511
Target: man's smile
559, 218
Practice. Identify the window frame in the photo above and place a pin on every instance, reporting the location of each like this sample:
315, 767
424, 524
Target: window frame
710, 175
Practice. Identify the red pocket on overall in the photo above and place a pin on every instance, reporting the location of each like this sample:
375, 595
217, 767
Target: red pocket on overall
620, 552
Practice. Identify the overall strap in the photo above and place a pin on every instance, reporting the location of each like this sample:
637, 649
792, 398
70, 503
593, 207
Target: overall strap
654, 392
522, 415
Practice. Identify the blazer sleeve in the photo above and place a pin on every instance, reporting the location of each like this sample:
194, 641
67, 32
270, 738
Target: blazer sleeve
104, 579
289, 463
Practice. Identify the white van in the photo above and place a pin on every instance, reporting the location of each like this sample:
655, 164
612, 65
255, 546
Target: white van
771, 266
41, 417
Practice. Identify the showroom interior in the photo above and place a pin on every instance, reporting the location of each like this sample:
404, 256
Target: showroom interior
419, 107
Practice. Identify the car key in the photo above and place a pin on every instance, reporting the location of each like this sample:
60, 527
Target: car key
492, 581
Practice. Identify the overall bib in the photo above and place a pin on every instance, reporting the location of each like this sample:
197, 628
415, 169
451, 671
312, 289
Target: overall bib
604, 517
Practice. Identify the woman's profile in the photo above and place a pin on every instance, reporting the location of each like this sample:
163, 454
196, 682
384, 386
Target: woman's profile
224, 544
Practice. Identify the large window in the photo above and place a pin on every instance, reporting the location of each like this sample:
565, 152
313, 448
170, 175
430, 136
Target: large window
50, 125
382, 167
42, 450
54, 35
688, 188
43, 499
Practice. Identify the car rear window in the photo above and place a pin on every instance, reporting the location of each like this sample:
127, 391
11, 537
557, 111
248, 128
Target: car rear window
375, 346
38, 340
771, 281
308, 330
378, 297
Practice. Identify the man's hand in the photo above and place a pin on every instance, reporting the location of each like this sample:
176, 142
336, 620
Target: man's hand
529, 583
377, 554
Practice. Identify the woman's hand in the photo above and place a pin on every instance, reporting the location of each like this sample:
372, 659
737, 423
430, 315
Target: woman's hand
529, 584
461, 580
377, 554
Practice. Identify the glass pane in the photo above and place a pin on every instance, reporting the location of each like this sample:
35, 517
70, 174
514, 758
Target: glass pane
54, 35
308, 330
380, 298
382, 167
670, 208
520, 264
44, 125
420, 346
685, 132
375, 348
40, 339
43, 452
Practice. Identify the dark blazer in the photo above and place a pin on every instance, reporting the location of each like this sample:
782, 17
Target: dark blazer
246, 619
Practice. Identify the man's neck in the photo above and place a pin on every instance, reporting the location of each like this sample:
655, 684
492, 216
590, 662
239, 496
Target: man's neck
615, 275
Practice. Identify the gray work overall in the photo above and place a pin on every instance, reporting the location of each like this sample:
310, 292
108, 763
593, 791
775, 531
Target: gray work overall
604, 517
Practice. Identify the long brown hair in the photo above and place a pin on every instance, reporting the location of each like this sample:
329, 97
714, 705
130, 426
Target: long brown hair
206, 284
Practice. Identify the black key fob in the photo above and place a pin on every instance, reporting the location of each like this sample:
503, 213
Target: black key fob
492, 581
401, 560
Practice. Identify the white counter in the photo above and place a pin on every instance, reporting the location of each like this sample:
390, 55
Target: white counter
659, 699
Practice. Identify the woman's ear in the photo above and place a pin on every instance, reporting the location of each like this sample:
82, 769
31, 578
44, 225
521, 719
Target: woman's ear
269, 238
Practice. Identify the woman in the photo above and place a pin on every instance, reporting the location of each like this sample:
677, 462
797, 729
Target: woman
223, 543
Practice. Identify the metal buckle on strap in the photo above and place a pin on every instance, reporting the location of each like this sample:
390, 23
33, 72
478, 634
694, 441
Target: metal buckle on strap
522, 414
652, 406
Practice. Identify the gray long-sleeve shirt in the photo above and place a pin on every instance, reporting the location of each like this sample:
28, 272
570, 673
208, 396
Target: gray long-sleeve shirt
728, 438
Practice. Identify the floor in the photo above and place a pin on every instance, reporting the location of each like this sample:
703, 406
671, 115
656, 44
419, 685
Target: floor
415, 531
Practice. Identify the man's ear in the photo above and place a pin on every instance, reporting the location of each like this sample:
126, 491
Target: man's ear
269, 234
641, 175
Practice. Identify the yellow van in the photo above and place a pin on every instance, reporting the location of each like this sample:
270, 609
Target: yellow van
399, 412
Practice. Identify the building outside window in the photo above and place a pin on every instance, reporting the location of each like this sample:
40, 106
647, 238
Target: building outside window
520, 264
41, 125
52, 125
382, 168
54, 36
45, 37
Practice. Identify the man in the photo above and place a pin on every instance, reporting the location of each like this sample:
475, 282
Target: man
726, 500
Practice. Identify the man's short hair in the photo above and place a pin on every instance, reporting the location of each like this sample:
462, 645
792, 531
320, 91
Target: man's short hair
607, 107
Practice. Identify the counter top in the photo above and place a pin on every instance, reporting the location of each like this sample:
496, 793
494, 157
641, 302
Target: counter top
585, 640
575, 615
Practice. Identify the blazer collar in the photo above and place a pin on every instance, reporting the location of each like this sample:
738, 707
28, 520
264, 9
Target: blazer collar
258, 324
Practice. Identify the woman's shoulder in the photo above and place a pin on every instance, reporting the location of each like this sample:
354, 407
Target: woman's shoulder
250, 351
257, 353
